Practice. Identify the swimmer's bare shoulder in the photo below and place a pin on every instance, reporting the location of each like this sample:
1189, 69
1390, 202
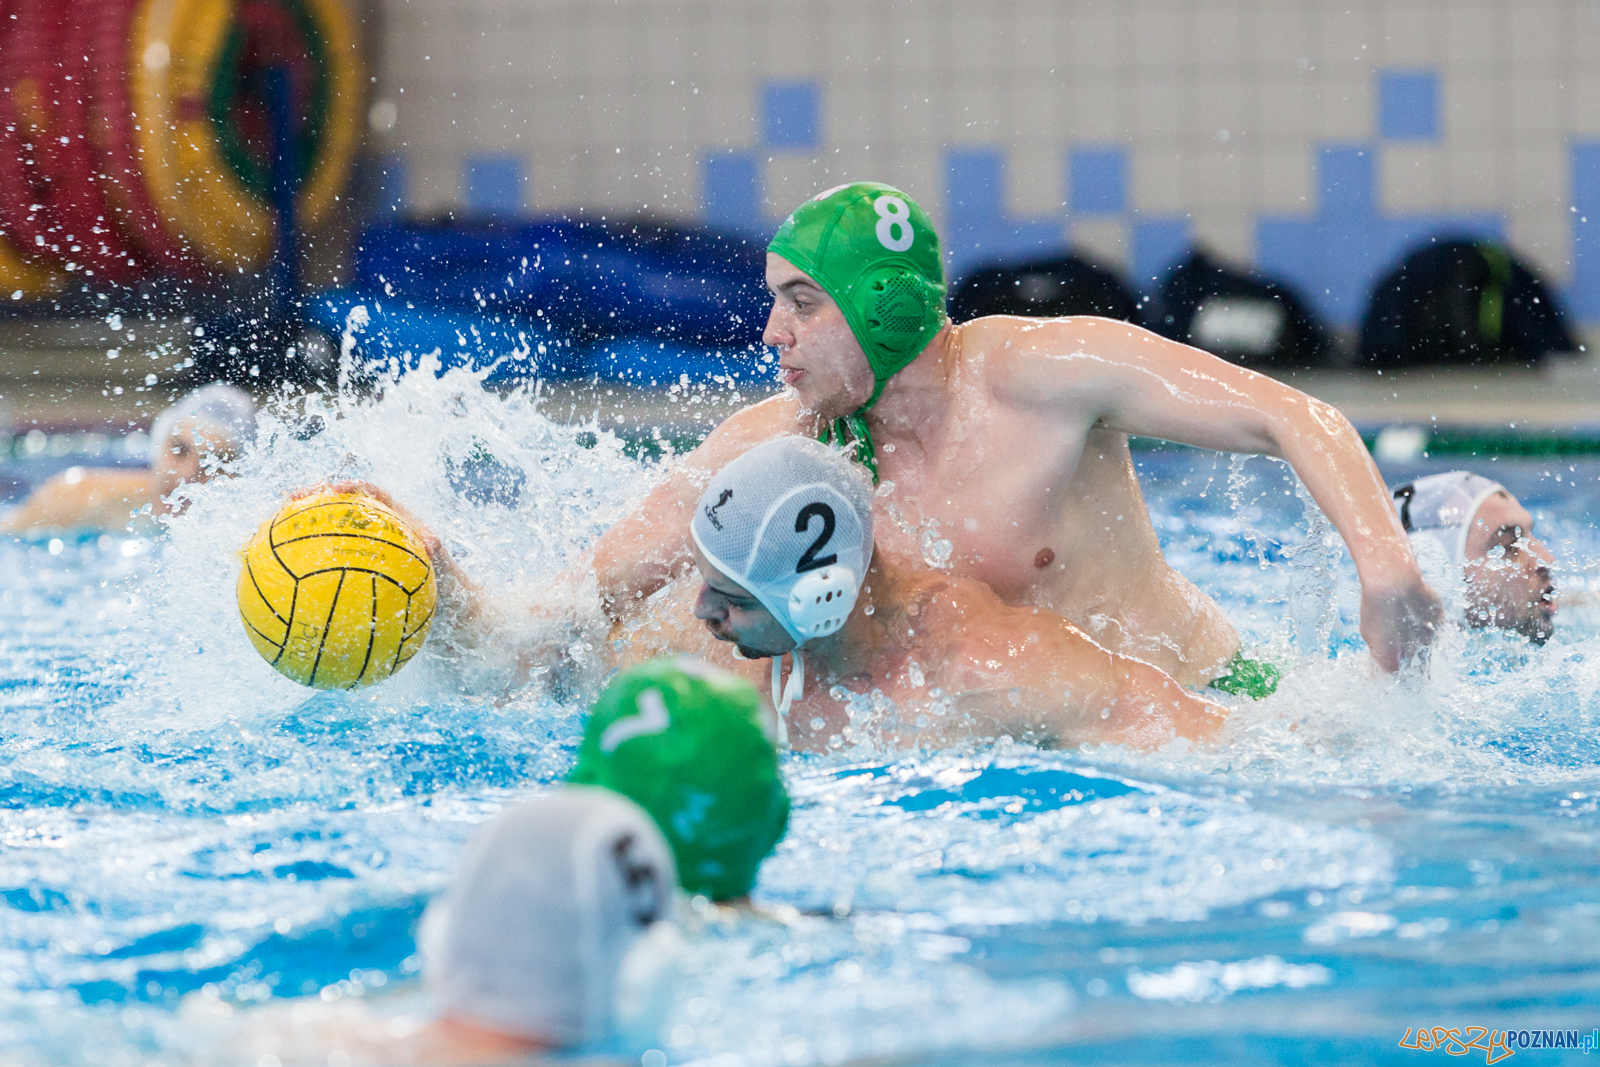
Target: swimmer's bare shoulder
101, 498
650, 546
1037, 364
1030, 673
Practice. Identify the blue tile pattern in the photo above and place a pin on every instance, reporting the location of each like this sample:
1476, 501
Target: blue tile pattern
1585, 214
1408, 105
978, 228
1158, 245
1098, 177
732, 191
791, 114
1336, 255
492, 184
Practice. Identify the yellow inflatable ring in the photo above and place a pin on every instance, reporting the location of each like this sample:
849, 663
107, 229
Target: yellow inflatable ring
149, 75
186, 168
19, 275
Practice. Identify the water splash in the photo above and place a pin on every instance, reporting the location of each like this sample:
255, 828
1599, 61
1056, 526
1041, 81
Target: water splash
183, 827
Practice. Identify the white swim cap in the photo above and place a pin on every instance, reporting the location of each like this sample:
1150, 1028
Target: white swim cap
791, 522
227, 408
1441, 507
546, 903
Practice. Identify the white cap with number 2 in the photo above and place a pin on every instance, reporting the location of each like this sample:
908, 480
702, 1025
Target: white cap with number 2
791, 522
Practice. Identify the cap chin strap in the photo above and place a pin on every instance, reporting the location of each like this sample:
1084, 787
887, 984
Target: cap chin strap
1459, 541
784, 695
852, 430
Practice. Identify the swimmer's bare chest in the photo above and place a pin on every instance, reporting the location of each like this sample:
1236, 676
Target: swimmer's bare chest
1042, 514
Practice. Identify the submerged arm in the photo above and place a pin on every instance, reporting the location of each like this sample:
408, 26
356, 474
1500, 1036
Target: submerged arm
1137, 382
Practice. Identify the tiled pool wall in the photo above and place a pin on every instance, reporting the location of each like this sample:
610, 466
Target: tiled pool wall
1314, 140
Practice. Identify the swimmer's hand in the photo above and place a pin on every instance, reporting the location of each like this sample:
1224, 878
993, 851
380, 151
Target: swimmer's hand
1399, 623
430, 540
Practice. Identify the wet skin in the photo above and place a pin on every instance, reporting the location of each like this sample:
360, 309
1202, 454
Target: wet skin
104, 498
1508, 571
307, 1031
956, 663
1007, 438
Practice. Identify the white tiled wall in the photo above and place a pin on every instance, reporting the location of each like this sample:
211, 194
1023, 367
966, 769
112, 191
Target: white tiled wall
612, 104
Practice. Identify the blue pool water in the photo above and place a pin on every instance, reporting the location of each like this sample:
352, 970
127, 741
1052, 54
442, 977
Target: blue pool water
190, 841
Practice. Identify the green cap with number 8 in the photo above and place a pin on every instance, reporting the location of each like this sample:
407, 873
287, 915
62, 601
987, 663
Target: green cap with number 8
874, 250
694, 747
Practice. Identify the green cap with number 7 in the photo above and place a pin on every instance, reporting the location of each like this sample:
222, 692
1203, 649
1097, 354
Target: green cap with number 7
874, 250
694, 747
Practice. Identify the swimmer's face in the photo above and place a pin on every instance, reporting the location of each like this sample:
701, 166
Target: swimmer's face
1508, 571
181, 460
818, 355
732, 614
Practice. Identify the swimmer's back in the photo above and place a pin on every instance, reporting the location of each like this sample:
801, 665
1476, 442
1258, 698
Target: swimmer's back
1030, 673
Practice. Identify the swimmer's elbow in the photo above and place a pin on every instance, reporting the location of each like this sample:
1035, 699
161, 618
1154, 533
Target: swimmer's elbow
1299, 418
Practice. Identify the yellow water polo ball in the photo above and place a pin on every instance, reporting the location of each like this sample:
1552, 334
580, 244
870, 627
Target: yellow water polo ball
336, 591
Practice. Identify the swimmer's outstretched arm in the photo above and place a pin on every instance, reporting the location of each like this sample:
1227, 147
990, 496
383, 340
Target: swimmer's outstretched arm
82, 498
650, 546
1036, 676
505, 647
1129, 379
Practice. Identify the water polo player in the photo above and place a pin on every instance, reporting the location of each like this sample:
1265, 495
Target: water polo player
1475, 530
783, 537
696, 748
523, 952
1001, 445
187, 443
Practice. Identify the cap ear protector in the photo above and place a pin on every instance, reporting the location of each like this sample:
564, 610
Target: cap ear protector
821, 601
896, 307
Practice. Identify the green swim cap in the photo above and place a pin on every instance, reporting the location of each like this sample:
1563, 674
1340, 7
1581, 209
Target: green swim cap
874, 250
690, 744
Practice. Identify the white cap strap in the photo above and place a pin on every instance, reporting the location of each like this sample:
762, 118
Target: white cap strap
784, 695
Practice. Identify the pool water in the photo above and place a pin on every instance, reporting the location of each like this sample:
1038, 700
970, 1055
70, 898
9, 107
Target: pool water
191, 840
